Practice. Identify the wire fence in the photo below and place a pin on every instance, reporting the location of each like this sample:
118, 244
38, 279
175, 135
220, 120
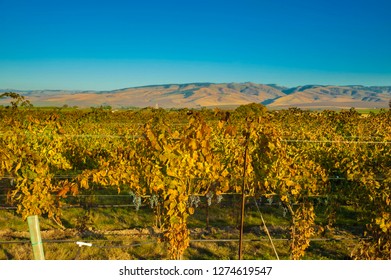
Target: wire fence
353, 138
225, 216
128, 227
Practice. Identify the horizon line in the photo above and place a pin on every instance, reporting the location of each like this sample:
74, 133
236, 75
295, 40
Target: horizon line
191, 83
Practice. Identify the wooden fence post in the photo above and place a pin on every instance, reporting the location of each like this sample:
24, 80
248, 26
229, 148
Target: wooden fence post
35, 237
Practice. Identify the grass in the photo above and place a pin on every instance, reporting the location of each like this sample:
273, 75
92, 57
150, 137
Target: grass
124, 233
369, 110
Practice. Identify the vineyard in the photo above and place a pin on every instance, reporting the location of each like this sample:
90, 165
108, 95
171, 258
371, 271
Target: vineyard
177, 170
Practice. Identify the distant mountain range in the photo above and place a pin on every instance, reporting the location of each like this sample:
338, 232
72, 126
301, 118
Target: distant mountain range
225, 95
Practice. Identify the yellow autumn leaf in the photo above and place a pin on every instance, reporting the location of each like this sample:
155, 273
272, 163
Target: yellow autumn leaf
193, 144
284, 198
290, 183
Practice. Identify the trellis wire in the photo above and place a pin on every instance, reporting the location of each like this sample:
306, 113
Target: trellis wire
4, 242
266, 229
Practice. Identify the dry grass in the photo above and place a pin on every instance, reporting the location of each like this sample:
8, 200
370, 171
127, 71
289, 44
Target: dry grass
124, 233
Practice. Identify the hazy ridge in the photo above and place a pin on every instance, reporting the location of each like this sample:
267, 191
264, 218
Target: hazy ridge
196, 95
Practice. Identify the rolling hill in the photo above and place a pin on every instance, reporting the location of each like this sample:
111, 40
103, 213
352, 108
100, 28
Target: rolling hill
197, 95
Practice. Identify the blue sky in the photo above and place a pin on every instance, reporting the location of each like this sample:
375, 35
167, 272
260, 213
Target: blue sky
103, 45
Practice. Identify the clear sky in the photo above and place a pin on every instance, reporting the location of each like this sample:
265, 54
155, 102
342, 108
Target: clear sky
103, 45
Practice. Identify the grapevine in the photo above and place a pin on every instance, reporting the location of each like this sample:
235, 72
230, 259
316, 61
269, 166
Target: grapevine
169, 159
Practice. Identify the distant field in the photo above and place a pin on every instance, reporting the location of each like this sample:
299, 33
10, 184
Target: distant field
221, 95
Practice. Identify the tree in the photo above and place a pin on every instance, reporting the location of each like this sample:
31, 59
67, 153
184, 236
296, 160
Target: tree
251, 110
17, 99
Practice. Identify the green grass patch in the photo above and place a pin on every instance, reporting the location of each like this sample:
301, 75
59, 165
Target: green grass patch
125, 233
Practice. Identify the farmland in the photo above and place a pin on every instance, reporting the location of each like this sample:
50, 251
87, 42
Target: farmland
163, 182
